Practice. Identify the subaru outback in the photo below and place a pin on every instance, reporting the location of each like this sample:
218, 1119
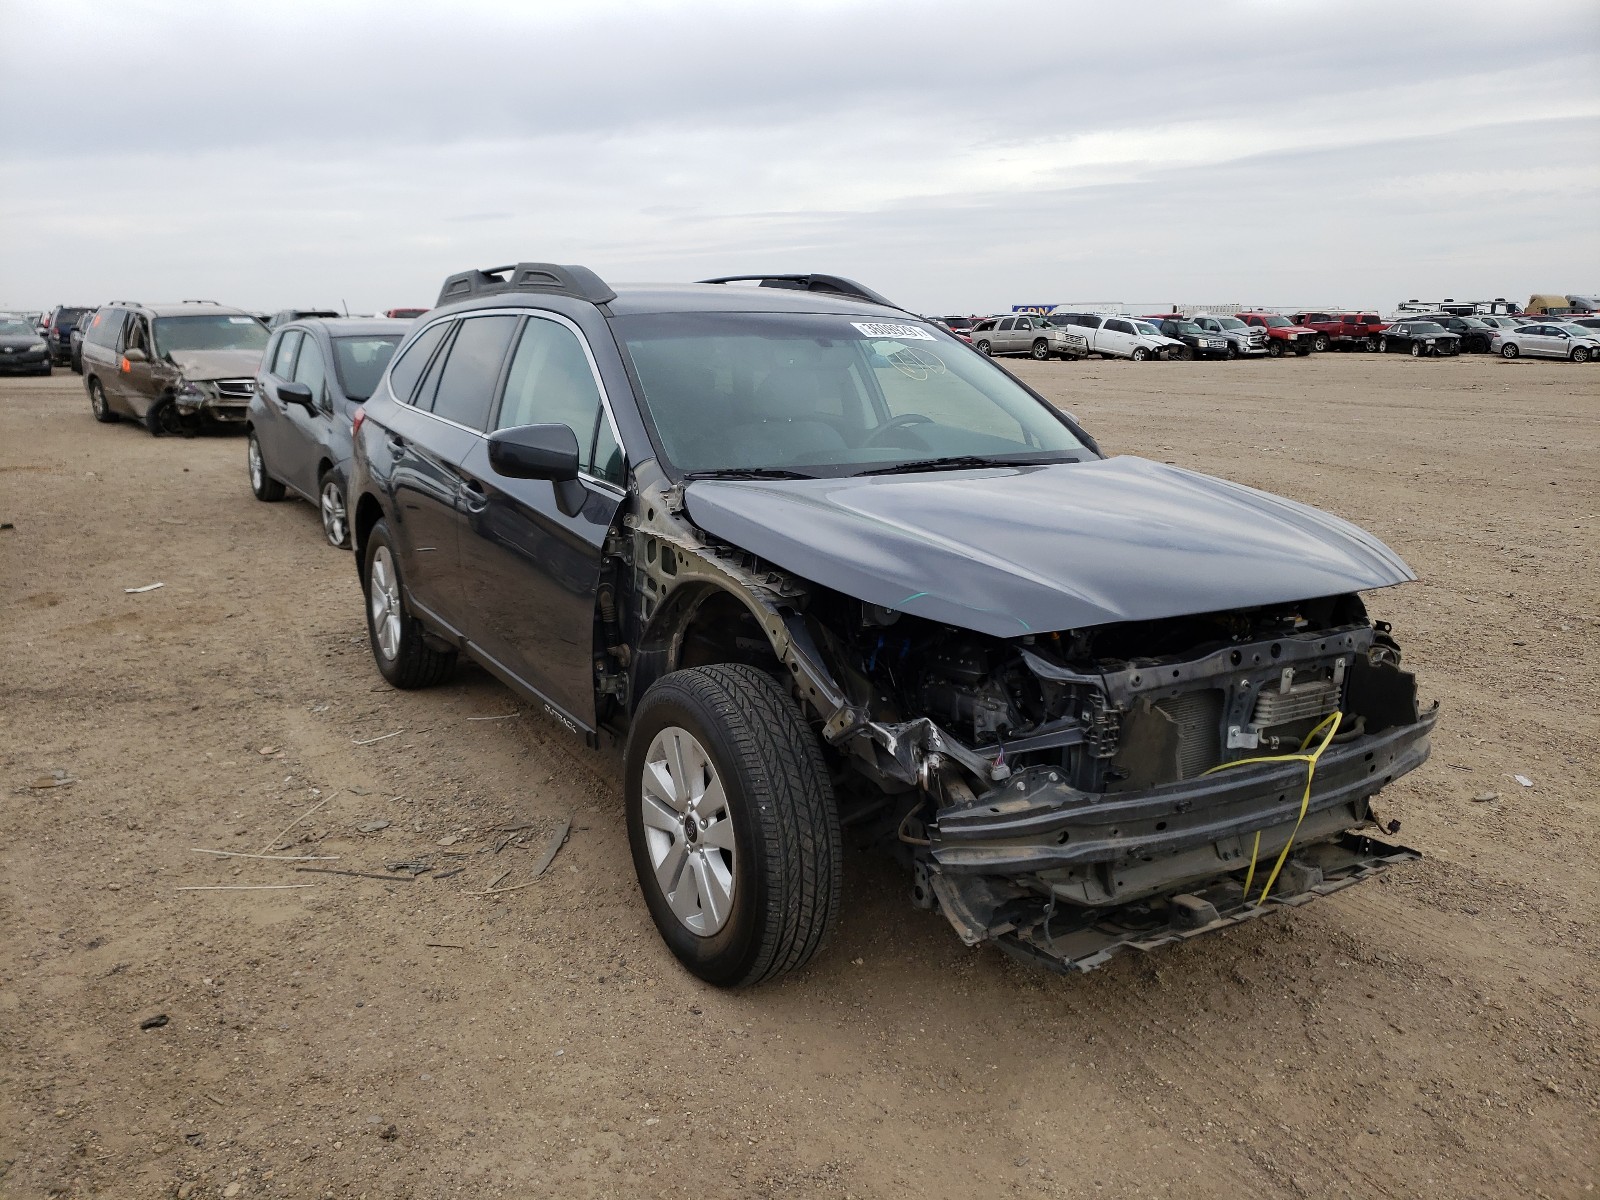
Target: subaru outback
826, 568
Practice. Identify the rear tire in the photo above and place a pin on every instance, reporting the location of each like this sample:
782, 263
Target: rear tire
399, 645
265, 487
99, 405
1375, 345
779, 878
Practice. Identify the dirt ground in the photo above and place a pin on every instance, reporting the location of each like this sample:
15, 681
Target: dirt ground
1431, 1034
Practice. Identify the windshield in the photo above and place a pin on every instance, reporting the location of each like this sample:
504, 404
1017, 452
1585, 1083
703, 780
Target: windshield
211, 331
1186, 327
1279, 322
820, 394
360, 361
1576, 330
15, 327
1230, 322
1148, 329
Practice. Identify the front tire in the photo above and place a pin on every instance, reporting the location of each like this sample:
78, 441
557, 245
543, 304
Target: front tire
99, 405
1416, 350
1321, 344
1580, 354
1233, 351
1041, 350
1140, 354
982, 348
1275, 349
1509, 350
265, 487
399, 645
735, 836
330, 500
162, 418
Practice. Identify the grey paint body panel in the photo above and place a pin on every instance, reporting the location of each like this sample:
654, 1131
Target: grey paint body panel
1009, 551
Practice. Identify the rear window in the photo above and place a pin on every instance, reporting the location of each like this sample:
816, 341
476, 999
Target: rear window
71, 316
359, 362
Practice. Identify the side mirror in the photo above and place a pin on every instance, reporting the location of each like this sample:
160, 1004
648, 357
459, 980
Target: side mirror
296, 393
135, 355
535, 452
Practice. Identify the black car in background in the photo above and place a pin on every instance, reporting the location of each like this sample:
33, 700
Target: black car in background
1474, 332
313, 377
22, 349
1199, 342
1420, 339
58, 327
824, 566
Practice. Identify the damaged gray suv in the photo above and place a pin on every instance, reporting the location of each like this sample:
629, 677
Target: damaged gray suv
828, 569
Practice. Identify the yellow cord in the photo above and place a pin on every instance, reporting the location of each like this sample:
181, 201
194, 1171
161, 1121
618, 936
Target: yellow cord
1331, 724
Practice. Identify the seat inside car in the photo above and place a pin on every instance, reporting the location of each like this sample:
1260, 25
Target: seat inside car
770, 432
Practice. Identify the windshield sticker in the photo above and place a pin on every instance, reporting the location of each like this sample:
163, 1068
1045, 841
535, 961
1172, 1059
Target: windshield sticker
241, 320
885, 329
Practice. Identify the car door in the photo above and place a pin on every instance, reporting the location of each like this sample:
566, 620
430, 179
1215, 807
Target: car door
134, 375
306, 429
1117, 337
531, 549
272, 417
428, 441
1539, 341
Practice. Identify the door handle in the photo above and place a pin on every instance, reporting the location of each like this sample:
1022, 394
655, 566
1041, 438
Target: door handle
473, 495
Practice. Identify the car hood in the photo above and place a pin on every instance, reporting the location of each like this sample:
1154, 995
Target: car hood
1008, 551
19, 341
216, 364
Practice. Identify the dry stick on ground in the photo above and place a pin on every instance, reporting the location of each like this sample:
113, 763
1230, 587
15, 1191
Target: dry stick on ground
357, 874
297, 820
497, 881
268, 857
506, 717
444, 945
551, 849
243, 887
384, 738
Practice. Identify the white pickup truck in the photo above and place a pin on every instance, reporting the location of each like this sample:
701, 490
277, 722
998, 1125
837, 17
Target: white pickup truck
1116, 337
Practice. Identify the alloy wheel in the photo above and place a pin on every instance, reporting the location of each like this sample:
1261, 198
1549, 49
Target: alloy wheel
257, 468
333, 517
383, 603
688, 830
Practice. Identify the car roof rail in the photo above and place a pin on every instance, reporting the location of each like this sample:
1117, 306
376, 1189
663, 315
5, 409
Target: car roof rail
202, 302
547, 278
835, 285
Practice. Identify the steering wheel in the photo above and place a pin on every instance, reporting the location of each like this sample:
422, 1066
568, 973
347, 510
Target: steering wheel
900, 422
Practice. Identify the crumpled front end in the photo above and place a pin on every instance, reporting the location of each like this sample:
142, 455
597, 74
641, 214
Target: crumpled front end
1075, 797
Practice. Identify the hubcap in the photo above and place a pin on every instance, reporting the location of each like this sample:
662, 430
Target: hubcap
688, 831
256, 470
97, 399
383, 604
333, 513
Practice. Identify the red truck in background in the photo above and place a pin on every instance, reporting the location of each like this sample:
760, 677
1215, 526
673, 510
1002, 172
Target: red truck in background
1283, 335
1347, 331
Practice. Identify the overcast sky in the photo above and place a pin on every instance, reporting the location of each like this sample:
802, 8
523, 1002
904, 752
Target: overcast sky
957, 157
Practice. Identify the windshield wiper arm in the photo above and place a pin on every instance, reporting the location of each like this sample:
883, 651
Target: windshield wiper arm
960, 462
747, 473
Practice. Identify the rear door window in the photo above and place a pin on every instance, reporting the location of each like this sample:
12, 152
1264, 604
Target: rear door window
472, 365
403, 377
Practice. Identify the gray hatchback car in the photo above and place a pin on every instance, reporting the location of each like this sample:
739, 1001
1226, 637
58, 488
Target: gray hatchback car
313, 377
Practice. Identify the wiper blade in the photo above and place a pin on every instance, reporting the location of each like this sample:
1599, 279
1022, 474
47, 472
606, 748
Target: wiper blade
747, 473
960, 462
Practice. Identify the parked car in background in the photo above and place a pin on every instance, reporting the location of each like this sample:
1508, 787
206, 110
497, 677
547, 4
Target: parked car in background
75, 350
22, 350
960, 326
823, 569
1024, 333
314, 375
1112, 336
58, 326
1244, 341
1283, 335
1342, 330
1549, 339
1196, 342
405, 314
1585, 322
176, 367
284, 315
1420, 339
1475, 332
